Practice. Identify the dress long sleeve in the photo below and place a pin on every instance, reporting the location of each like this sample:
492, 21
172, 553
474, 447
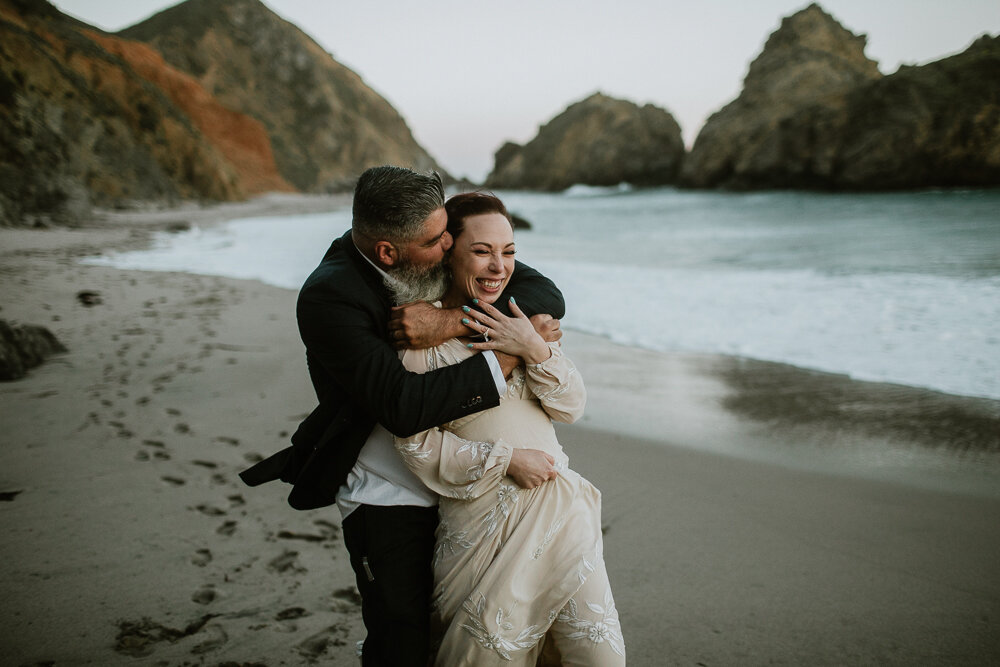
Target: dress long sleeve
452, 466
558, 385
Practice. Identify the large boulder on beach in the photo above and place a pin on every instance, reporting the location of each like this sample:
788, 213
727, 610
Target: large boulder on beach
24, 347
326, 125
816, 113
597, 141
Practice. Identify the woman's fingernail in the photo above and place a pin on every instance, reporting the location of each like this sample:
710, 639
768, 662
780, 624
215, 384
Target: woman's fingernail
468, 345
466, 309
512, 300
475, 301
465, 320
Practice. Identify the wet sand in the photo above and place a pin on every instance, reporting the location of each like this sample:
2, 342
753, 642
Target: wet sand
755, 513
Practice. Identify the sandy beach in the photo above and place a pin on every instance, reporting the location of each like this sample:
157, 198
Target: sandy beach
754, 513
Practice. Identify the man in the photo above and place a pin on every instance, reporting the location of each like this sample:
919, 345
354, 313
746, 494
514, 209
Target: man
343, 451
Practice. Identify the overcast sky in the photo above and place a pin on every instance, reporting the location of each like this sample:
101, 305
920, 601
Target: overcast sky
468, 75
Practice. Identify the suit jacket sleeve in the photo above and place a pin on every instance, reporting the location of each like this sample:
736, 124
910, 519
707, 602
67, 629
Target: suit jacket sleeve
348, 340
533, 292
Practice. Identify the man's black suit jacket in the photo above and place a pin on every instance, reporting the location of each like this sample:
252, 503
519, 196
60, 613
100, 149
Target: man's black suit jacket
343, 315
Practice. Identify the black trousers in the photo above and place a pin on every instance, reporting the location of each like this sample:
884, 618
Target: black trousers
391, 550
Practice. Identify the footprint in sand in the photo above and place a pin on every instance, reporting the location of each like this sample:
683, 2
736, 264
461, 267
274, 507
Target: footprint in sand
227, 528
349, 594
291, 613
287, 562
316, 645
236, 500
182, 428
204, 595
209, 510
216, 638
229, 441
205, 464
174, 481
202, 557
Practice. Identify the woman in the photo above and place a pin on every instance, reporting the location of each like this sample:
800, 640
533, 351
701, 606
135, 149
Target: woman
519, 574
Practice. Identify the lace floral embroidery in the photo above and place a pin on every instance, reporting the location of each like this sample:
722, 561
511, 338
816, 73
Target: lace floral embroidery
496, 641
514, 384
605, 629
506, 499
412, 448
449, 542
558, 390
549, 536
479, 452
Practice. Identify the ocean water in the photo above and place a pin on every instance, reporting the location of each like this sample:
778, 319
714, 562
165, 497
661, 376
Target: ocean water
901, 287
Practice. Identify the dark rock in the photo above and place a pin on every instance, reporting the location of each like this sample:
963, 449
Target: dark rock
816, 113
23, 348
809, 59
89, 297
519, 222
598, 141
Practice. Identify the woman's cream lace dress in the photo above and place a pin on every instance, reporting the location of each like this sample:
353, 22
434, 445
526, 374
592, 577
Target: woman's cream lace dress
519, 574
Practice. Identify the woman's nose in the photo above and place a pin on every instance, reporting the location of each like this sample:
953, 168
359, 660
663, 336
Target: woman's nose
496, 264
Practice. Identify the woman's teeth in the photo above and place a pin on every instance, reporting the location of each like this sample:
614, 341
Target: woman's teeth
490, 284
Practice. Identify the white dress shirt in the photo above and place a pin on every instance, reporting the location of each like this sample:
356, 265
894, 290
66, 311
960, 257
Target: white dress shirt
379, 476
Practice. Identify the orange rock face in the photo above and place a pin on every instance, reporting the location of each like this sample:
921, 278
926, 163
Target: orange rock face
242, 140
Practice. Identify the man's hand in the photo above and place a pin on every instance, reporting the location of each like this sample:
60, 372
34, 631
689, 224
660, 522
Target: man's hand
531, 467
508, 362
547, 327
420, 325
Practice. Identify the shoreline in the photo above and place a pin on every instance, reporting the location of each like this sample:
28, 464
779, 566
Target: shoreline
130, 536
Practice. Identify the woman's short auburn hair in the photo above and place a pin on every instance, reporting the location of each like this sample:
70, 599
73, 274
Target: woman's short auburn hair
468, 204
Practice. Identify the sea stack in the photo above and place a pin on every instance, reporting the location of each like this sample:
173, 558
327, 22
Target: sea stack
597, 141
816, 113
809, 60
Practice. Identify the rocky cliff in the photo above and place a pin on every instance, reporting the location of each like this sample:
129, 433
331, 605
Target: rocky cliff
325, 124
79, 125
598, 141
815, 113
238, 102
810, 60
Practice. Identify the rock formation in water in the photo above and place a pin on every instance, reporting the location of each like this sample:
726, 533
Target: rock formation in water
598, 141
810, 60
325, 124
816, 113
24, 347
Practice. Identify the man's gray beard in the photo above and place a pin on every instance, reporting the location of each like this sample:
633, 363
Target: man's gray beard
411, 283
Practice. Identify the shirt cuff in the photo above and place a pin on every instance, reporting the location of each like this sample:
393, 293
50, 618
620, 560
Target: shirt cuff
498, 378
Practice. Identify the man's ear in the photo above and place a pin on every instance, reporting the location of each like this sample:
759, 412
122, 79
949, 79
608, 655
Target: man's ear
386, 254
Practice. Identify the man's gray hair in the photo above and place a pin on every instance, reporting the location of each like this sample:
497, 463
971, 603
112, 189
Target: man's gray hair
391, 203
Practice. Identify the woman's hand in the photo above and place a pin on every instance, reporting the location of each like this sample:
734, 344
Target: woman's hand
513, 335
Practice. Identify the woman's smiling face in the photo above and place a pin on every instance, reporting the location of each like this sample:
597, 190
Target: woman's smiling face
482, 258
